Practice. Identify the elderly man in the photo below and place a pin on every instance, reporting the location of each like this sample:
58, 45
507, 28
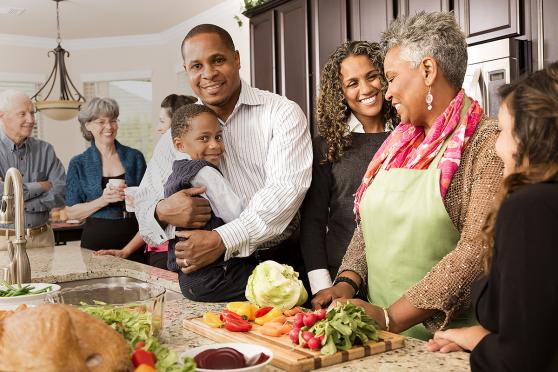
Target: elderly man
44, 177
267, 160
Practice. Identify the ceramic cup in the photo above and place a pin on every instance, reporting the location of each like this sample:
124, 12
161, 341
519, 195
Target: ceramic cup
130, 192
114, 182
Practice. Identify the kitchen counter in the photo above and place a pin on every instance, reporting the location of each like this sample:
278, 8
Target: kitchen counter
70, 262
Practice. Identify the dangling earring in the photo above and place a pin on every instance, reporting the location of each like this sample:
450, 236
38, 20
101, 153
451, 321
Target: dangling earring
429, 99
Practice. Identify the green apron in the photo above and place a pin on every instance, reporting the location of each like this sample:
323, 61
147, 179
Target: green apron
407, 231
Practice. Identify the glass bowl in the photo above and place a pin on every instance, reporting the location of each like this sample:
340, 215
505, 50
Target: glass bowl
144, 298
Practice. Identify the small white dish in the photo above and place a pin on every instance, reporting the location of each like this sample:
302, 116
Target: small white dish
249, 350
10, 303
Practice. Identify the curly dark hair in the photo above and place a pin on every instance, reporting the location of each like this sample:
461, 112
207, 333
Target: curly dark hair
332, 110
183, 117
533, 104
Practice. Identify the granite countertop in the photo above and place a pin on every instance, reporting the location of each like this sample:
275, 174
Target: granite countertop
70, 262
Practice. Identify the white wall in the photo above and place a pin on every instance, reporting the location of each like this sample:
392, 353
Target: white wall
148, 56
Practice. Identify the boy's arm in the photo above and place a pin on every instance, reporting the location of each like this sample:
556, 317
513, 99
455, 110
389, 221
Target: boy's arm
223, 200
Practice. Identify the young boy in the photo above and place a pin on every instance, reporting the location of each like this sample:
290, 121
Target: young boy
197, 136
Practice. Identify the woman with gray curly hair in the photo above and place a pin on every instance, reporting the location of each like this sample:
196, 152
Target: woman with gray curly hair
97, 178
353, 120
427, 191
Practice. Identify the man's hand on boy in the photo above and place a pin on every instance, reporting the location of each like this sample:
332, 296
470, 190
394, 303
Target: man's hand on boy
200, 249
181, 209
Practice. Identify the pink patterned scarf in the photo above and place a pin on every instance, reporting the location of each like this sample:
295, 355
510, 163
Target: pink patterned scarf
408, 147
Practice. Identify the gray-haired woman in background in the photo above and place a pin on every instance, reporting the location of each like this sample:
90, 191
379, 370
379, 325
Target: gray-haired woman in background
427, 191
97, 179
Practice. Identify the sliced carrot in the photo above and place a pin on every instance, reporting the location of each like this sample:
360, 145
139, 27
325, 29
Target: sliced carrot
293, 311
270, 331
280, 319
286, 328
274, 325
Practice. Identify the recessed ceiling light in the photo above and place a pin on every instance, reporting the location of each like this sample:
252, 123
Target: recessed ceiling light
11, 11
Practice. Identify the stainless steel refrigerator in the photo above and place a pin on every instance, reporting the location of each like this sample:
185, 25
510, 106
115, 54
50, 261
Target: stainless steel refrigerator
491, 65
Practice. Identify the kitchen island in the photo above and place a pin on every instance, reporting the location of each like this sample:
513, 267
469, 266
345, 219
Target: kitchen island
70, 263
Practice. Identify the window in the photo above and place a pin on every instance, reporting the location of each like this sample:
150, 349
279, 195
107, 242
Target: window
134, 97
30, 89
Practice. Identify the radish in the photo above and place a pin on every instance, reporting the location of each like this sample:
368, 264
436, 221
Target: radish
293, 335
306, 335
298, 320
314, 343
321, 314
309, 320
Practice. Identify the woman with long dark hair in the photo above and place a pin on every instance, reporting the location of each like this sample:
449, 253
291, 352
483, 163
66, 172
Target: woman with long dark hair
353, 120
517, 302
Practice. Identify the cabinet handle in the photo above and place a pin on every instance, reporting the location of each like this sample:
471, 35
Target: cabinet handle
540, 35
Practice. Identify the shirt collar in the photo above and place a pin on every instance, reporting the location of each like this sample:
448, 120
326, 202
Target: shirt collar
248, 95
355, 126
8, 142
180, 155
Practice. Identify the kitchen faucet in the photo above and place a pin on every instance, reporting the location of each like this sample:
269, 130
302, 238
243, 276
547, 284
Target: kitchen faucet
19, 270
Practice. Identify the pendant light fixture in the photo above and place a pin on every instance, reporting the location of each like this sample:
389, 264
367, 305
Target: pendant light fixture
67, 106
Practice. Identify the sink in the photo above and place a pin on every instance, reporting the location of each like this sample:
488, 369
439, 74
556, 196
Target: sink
117, 281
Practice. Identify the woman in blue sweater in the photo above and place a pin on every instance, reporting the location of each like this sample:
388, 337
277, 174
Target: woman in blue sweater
97, 179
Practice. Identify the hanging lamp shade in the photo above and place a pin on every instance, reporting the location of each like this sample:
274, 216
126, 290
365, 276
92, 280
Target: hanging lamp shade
70, 99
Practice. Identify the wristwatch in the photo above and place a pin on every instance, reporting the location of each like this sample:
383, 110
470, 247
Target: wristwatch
345, 279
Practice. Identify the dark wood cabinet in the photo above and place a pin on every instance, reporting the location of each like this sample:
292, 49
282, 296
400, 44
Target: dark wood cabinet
484, 20
328, 29
369, 18
410, 7
293, 59
262, 28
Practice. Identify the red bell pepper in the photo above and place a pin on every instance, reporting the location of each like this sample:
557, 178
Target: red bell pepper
235, 325
140, 356
262, 311
227, 314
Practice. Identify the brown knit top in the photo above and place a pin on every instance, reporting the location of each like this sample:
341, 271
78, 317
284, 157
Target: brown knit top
470, 196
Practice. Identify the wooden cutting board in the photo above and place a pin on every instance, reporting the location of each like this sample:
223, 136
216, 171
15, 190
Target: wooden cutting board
291, 357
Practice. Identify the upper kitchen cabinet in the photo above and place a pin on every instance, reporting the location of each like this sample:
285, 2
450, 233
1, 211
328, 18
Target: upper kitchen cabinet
280, 49
410, 7
328, 27
369, 18
484, 20
293, 59
262, 29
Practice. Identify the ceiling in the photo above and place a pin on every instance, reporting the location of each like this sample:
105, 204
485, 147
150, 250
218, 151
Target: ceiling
99, 18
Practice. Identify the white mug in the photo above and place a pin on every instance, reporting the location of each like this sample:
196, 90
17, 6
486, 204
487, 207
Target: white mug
130, 191
115, 182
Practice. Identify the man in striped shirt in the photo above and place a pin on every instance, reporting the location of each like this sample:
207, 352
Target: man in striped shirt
267, 160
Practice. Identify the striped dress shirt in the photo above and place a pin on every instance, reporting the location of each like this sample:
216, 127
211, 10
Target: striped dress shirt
267, 160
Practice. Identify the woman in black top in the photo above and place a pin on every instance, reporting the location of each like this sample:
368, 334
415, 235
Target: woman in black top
517, 303
352, 120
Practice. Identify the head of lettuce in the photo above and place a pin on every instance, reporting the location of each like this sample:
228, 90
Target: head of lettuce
277, 285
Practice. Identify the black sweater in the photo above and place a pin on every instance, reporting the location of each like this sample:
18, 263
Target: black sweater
519, 301
328, 221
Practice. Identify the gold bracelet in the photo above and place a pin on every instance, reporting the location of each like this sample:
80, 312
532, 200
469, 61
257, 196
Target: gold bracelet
386, 317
